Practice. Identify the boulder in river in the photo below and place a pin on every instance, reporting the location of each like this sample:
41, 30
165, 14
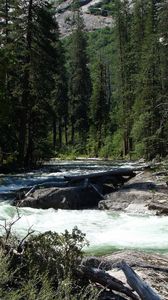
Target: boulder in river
66, 198
79, 191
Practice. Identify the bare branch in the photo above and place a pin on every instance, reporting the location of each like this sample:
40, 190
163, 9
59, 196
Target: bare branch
25, 237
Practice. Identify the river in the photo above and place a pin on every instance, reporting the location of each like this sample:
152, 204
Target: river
106, 231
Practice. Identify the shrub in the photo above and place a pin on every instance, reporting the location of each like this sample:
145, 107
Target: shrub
45, 270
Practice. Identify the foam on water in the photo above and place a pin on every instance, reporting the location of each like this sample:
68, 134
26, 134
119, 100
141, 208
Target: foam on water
104, 230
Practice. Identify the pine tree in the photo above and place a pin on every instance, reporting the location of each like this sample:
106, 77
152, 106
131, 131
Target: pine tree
33, 40
79, 84
100, 106
8, 141
45, 61
163, 99
146, 124
60, 103
124, 74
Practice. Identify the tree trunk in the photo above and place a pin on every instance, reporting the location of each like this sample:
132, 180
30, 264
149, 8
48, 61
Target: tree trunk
72, 132
60, 133
54, 133
66, 131
137, 284
29, 152
107, 281
22, 137
26, 89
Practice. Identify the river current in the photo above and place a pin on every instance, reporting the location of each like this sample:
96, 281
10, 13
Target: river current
106, 231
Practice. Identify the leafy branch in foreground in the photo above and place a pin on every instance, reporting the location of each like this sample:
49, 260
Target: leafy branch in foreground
42, 266
50, 266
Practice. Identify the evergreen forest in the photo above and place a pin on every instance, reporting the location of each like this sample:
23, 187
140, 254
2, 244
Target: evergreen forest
102, 93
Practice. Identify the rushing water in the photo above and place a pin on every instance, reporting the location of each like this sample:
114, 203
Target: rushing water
104, 230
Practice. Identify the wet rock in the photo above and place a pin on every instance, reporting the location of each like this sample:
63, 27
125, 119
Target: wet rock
161, 207
65, 198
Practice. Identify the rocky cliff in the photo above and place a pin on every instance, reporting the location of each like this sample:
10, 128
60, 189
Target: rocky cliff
92, 22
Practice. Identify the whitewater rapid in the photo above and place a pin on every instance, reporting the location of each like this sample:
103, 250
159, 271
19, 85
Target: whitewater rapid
105, 230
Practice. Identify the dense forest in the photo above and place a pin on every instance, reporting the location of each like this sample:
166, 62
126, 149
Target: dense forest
101, 93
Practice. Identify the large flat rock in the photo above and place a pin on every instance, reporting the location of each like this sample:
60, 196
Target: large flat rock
142, 194
132, 200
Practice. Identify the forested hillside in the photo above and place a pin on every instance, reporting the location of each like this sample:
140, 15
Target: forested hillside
101, 93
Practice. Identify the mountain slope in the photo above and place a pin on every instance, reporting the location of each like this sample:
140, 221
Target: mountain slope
92, 22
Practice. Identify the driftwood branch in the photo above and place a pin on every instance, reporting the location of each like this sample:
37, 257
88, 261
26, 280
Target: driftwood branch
30, 191
106, 280
137, 284
155, 268
97, 191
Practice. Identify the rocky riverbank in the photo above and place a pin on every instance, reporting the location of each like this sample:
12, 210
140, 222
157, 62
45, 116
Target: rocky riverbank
145, 193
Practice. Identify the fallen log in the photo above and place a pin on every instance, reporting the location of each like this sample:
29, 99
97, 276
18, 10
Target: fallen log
137, 284
51, 184
107, 281
161, 173
95, 176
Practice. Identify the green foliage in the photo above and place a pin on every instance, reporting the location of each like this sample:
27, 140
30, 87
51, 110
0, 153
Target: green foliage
53, 99
113, 146
100, 105
47, 269
79, 84
103, 8
4, 269
29, 76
